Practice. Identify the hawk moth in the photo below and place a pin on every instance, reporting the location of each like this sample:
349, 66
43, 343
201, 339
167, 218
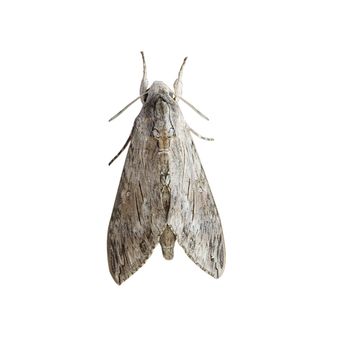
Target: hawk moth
163, 195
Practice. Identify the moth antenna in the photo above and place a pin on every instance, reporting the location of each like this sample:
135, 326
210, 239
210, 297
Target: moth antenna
178, 81
144, 82
194, 108
201, 137
121, 151
126, 107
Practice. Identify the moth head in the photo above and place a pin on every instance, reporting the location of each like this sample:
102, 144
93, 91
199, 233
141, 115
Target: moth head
150, 95
159, 90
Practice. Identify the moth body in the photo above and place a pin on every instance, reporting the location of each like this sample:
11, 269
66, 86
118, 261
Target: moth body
161, 107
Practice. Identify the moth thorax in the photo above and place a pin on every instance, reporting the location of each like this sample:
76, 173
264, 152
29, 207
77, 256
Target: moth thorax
163, 129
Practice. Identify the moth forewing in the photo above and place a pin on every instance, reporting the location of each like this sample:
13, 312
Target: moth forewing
193, 211
132, 234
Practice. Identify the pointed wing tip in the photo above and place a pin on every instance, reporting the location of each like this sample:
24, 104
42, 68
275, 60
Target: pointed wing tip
119, 279
219, 274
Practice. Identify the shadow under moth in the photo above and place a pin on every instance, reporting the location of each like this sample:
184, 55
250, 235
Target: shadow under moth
163, 195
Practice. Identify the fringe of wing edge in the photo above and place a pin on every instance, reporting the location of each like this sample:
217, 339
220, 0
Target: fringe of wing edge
130, 273
217, 275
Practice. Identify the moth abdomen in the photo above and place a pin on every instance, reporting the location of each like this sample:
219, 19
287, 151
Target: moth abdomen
167, 242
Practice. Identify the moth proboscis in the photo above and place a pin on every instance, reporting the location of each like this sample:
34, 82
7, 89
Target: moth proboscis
163, 195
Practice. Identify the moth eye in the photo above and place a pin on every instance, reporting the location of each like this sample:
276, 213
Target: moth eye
171, 132
172, 95
145, 98
155, 133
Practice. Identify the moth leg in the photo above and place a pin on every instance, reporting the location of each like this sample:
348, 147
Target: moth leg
144, 82
178, 81
194, 108
121, 151
200, 136
126, 107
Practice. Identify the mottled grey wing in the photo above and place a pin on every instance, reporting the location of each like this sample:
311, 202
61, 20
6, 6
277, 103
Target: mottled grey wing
132, 234
199, 232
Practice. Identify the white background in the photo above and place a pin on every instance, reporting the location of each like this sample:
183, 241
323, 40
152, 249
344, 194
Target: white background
273, 76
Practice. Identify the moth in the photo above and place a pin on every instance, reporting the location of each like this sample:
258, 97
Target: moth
163, 195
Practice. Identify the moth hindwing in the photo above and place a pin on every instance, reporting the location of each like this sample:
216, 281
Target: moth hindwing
163, 195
